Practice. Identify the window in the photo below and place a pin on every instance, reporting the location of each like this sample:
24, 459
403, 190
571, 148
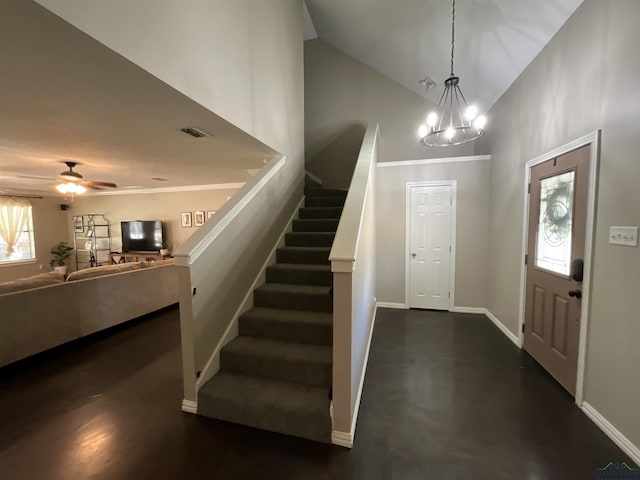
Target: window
16, 231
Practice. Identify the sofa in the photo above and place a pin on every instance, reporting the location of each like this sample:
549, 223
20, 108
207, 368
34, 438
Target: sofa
45, 311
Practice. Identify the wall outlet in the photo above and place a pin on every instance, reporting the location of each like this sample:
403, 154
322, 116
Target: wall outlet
627, 236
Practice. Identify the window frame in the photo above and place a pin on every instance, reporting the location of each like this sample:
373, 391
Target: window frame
32, 240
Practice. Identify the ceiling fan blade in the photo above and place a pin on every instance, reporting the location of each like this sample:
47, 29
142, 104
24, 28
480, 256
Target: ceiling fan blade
37, 177
95, 184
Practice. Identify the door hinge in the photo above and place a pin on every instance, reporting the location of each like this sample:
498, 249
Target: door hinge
449, 294
451, 202
529, 188
523, 328
526, 259
449, 248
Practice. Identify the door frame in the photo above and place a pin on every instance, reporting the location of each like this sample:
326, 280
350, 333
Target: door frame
592, 139
407, 235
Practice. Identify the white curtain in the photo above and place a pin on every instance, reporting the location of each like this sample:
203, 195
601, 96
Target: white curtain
14, 214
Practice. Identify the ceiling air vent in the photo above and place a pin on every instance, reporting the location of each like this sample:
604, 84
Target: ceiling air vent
195, 132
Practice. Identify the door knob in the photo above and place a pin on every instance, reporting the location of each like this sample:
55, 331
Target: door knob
575, 293
413, 255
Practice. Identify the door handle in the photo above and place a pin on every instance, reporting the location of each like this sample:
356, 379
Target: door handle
413, 255
575, 293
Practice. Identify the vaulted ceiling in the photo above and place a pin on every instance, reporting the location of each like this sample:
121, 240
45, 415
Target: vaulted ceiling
407, 40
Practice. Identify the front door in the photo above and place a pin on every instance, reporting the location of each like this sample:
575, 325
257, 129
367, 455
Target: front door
430, 246
556, 237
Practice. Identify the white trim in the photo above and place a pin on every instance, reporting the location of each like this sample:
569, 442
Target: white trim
407, 235
185, 188
593, 139
345, 439
503, 328
213, 364
612, 432
342, 439
432, 161
312, 176
187, 254
478, 310
392, 305
189, 406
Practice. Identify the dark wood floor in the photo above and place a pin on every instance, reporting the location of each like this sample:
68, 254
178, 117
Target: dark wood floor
446, 396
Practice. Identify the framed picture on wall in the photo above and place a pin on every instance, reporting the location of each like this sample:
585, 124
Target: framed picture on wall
198, 218
78, 224
185, 219
211, 213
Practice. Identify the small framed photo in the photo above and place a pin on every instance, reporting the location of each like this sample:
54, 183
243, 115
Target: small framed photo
211, 213
198, 218
185, 219
78, 224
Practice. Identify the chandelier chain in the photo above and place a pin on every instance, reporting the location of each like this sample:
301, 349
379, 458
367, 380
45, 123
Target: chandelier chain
453, 33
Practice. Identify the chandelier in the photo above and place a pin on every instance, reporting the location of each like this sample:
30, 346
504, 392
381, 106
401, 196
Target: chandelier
454, 121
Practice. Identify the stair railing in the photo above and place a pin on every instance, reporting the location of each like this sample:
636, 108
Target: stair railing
218, 264
353, 265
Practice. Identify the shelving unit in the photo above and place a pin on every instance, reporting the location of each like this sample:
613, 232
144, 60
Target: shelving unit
91, 240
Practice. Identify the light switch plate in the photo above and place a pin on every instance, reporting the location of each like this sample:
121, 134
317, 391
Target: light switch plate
627, 236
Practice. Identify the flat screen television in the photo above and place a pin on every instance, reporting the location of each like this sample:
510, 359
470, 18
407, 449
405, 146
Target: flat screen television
142, 236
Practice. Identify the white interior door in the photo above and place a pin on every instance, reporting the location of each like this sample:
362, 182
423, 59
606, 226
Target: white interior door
430, 247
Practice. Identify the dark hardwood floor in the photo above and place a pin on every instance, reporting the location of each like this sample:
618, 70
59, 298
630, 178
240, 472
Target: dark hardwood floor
446, 396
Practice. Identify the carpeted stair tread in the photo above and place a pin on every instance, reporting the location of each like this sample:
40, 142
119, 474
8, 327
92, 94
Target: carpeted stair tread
309, 239
315, 225
296, 297
314, 328
300, 273
324, 192
320, 212
306, 255
278, 360
289, 408
325, 201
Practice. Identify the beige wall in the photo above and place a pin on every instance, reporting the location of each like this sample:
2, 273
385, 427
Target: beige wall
50, 227
585, 79
472, 217
342, 94
165, 207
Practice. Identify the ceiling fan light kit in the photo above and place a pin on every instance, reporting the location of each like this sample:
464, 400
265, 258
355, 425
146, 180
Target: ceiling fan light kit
454, 122
75, 183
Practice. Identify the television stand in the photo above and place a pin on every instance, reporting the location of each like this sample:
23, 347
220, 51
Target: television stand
115, 257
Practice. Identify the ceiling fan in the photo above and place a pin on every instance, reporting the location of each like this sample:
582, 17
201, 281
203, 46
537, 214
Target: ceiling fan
75, 183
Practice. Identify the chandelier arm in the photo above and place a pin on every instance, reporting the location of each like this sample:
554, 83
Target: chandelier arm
458, 93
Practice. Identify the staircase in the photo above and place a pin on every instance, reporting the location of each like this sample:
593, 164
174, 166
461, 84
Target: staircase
276, 375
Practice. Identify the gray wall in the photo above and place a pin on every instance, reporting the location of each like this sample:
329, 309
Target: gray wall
342, 94
472, 219
585, 79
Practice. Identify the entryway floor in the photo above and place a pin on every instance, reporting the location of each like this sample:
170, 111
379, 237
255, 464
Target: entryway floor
446, 396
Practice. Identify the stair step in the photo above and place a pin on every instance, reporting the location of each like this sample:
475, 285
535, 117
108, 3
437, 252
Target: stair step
288, 325
330, 201
295, 297
289, 408
300, 274
278, 360
324, 192
309, 239
306, 255
320, 212
315, 225
311, 183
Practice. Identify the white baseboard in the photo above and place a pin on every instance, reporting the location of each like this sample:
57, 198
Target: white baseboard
501, 326
213, 363
612, 432
189, 406
392, 305
342, 439
481, 310
345, 439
